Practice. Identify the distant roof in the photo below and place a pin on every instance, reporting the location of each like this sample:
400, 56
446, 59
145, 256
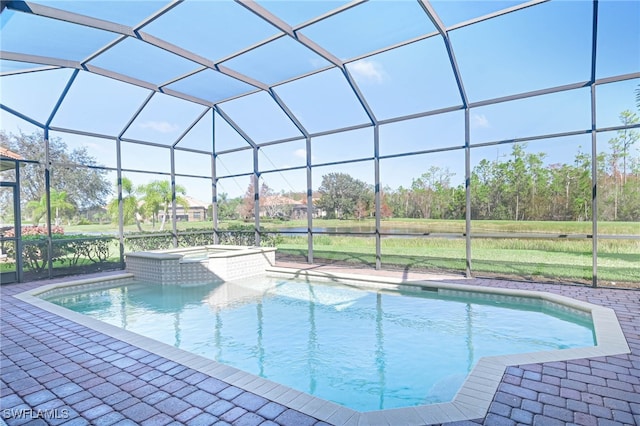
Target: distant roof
194, 202
6, 159
4, 152
278, 200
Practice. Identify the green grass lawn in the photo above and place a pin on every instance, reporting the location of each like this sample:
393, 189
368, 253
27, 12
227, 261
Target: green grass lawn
550, 259
419, 225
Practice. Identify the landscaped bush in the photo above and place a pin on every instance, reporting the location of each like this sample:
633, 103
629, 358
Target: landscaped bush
67, 250
35, 246
244, 235
146, 241
191, 238
95, 249
236, 234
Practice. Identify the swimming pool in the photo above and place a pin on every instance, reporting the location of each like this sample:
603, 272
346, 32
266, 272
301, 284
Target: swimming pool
367, 349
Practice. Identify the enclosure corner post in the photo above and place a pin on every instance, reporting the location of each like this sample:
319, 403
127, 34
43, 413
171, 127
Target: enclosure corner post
174, 216
467, 185
309, 204
120, 202
377, 194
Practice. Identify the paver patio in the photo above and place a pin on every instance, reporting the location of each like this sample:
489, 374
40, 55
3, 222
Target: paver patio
55, 371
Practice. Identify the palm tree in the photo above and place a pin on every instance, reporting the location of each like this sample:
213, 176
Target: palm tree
130, 209
59, 203
158, 197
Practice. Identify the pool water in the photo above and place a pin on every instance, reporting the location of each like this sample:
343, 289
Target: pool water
365, 349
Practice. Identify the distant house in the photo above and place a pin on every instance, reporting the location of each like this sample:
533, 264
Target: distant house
286, 208
277, 206
8, 159
196, 212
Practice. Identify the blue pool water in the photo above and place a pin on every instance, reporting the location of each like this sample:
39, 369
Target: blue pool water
367, 350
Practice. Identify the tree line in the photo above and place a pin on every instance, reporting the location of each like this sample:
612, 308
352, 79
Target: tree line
520, 186
79, 186
73, 189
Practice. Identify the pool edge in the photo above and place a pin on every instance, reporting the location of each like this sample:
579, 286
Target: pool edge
471, 401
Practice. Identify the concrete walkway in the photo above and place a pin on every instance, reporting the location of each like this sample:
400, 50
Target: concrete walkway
55, 371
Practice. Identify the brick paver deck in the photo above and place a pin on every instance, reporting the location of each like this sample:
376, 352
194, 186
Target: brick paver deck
68, 374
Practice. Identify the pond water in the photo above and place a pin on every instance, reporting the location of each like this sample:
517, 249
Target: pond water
368, 229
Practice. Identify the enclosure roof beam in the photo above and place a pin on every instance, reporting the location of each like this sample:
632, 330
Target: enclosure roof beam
235, 127
36, 59
135, 115
75, 18
30, 70
496, 14
188, 129
437, 22
307, 42
287, 29
61, 97
53, 13
288, 113
22, 116
530, 94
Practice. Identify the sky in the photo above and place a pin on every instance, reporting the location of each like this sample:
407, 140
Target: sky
544, 46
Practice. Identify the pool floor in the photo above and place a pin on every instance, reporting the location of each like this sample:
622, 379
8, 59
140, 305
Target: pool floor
365, 349
83, 376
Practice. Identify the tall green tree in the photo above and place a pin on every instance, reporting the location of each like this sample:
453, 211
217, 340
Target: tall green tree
227, 207
158, 197
130, 205
60, 206
619, 161
86, 187
342, 196
432, 192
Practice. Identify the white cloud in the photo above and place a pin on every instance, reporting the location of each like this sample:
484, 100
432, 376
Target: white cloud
480, 120
302, 153
368, 70
159, 126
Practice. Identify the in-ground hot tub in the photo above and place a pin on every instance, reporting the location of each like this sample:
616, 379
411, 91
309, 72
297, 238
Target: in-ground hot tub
200, 264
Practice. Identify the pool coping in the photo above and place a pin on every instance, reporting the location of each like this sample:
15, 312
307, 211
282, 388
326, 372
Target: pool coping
471, 401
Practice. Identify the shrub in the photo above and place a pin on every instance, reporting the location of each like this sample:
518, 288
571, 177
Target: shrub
148, 241
65, 248
243, 235
237, 234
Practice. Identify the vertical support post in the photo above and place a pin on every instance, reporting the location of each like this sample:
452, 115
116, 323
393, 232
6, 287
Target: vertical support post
214, 200
174, 218
17, 220
256, 197
594, 150
120, 201
377, 194
47, 170
214, 181
309, 203
119, 174
594, 190
47, 188
467, 185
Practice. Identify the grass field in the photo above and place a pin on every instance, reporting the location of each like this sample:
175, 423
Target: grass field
550, 260
564, 259
419, 225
